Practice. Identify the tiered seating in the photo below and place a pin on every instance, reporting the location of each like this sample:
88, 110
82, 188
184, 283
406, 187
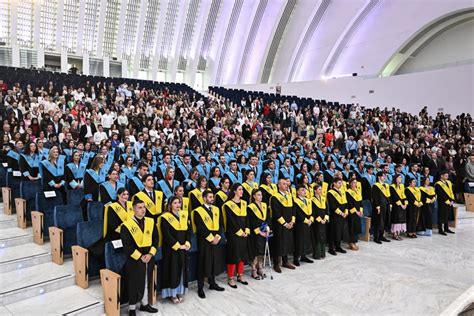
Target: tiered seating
43, 217
63, 234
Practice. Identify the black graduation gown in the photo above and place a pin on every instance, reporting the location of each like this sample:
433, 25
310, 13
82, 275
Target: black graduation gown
236, 225
27, 169
91, 186
445, 197
319, 214
174, 262
69, 175
115, 215
257, 216
413, 211
353, 220
379, 199
248, 191
428, 198
48, 177
195, 199
209, 261
267, 193
303, 238
398, 215
135, 268
282, 212
337, 203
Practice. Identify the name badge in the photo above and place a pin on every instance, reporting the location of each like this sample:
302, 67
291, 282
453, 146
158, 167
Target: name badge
16, 173
5, 164
49, 194
117, 243
471, 184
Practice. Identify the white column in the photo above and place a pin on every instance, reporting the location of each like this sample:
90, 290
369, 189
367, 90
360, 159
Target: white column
59, 27
124, 68
13, 22
159, 36
121, 28
106, 64
40, 56
138, 37
80, 27
64, 67
183, 12
100, 31
37, 21
15, 55
85, 64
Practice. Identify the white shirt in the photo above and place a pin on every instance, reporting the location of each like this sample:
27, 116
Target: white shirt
99, 136
107, 120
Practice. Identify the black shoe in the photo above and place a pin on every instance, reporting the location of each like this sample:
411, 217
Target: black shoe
443, 233
216, 287
132, 313
201, 294
332, 252
339, 249
306, 259
450, 231
296, 262
378, 242
242, 282
384, 239
148, 308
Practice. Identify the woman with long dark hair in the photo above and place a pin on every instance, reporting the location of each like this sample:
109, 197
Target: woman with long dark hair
356, 211
413, 195
237, 233
195, 196
249, 185
116, 213
428, 197
399, 207
175, 236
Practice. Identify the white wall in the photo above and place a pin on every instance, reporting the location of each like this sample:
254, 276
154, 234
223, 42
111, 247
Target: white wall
454, 45
451, 89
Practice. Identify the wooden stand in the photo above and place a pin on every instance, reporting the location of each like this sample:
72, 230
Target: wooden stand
57, 247
455, 222
111, 289
366, 236
152, 291
469, 198
37, 222
21, 212
7, 200
80, 257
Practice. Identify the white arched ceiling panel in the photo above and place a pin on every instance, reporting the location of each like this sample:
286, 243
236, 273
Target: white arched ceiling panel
251, 69
386, 29
325, 37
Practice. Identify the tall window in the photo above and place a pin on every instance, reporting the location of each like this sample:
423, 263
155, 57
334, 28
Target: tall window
25, 23
5, 21
71, 13
49, 9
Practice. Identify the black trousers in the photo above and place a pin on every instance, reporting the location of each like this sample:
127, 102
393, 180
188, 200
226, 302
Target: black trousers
200, 281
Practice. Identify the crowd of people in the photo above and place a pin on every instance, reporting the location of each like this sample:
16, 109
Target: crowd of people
297, 177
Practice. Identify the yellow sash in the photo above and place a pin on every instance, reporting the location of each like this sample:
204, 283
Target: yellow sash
142, 239
154, 207
249, 188
400, 191
428, 190
123, 214
286, 202
447, 188
239, 211
320, 203
222, 195
198, 194
179, 225
357, 194
384, 188
305, 206
261, 214
324, 188
340, 197
185, 204
270, 189
212, 224
416, 193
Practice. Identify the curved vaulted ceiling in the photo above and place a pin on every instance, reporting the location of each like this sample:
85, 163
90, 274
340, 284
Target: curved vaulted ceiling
226, 41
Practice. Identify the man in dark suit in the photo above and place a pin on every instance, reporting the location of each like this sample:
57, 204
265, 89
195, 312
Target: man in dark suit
87, 130
16, 112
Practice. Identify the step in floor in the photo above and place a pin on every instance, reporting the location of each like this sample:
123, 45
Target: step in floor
71, 300
25, 283
7, 221
15, 236
23, 256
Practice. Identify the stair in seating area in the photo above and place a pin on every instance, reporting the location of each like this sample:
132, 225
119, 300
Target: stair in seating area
31, 284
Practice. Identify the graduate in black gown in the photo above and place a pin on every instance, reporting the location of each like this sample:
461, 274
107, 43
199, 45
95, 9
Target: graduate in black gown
399, 207
139, 238
53, 173
428, 197
115, 214
75, 171
237, 233
93, 177
154, 201
283, 221
380, 207
108, 189
175, 236
207, 224
321, 217
195, 195
413, 195
303, 209
29, 163
338, 214
444, 192
249, 185
356, 211
259, 223
268, 188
